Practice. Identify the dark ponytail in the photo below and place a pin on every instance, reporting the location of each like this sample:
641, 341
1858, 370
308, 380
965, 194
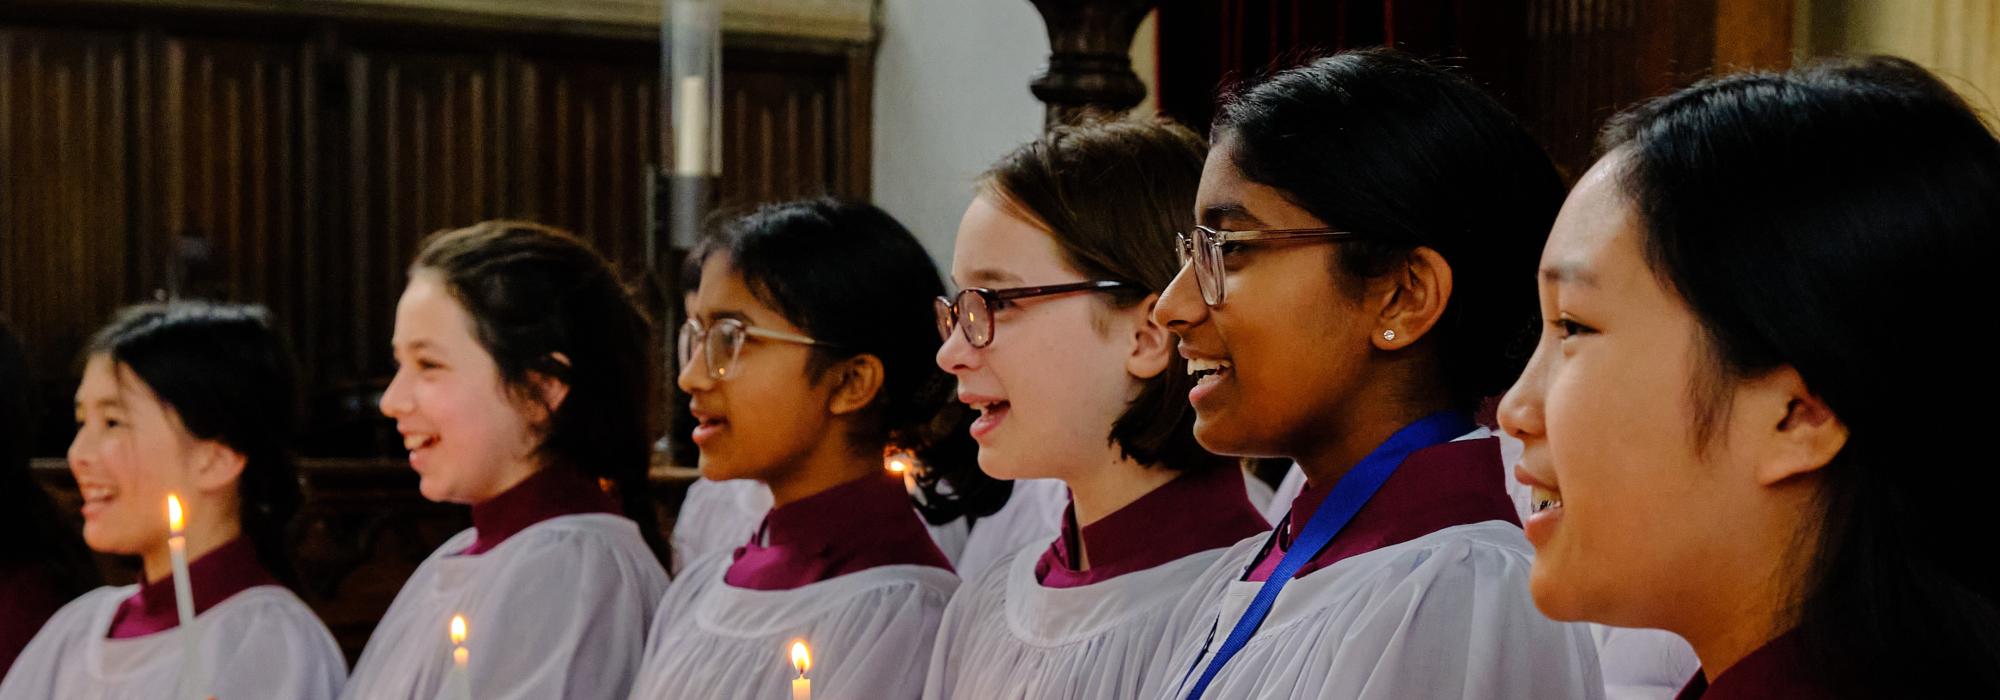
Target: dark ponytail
534, 292
229, 378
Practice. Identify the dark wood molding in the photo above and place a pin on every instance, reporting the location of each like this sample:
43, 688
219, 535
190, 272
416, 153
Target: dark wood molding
1090, 59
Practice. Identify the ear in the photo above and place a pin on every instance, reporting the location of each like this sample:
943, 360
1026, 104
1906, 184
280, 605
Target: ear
1797, 432
215, 467
550, 389
856, 382
1411, 300
1152, 344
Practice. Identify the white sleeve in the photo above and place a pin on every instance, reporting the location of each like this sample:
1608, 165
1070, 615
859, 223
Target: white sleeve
274, 648
1461, 624
570, 621
883, 645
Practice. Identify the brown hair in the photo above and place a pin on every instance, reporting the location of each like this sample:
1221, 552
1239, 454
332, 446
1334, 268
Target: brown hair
534, 291
1112, 194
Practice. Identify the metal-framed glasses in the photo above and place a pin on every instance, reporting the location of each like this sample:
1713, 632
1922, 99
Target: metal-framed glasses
722, 341
971, 310
1202, 249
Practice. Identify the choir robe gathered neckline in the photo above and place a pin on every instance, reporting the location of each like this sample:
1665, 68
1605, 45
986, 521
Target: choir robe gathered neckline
716, 516
1035, 626
555, 589
1774, 671
1423, 595
850, 571
258, 639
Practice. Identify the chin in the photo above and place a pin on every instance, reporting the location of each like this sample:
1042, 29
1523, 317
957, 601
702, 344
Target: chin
435, 490
1555, 596
1218, 437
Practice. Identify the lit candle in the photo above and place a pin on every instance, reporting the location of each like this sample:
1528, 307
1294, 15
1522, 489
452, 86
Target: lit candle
691, 127
194, 681
801, 660
458, 685
898, 463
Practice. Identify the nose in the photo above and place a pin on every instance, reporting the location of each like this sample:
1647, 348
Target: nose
957, 355
396, 401
1520, 412
693, 376
78, 449
1180, 304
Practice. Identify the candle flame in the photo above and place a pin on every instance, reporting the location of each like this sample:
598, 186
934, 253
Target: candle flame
457, 629
174, 514
897, 465
801, 658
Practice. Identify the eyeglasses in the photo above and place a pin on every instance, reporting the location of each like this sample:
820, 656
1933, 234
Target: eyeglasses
971, 311
721, 342
1203, 249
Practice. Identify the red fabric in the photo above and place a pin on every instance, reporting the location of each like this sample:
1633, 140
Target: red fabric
1193, 513
1775, 671
547, 494
855, 526
1456, 483
215, 576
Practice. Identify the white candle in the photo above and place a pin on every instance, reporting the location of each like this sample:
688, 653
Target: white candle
691, 127
194, 680
458, 685
801, 660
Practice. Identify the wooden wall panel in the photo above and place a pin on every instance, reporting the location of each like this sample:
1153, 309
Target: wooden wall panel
582, 136
65, 201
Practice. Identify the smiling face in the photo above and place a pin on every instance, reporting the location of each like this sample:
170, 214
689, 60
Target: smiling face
129, 452
1284, 353
771, 413
1059, 370
469, 437
1604, 411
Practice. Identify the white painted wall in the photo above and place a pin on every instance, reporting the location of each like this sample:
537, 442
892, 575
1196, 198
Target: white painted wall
951, 96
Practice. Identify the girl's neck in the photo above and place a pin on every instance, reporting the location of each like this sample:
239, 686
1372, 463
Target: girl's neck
204, 535
828, 466
1098, 492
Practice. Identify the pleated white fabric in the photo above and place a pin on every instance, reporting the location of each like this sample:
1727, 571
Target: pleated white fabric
559, 610
1446, 615
1006, 636
870, 633
262, 642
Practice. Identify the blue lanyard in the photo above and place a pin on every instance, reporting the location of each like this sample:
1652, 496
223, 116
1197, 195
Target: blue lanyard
1349, 493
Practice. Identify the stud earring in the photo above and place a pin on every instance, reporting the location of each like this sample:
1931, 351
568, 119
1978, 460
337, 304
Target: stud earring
1389, 335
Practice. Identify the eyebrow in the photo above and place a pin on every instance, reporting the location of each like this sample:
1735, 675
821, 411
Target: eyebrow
987, 276
1569, 273
102, 403
1214, 213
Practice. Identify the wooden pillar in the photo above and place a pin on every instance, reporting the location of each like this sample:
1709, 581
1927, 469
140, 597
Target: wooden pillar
1090, 61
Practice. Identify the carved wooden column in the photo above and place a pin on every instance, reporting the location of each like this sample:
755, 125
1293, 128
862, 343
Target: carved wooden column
1090, 60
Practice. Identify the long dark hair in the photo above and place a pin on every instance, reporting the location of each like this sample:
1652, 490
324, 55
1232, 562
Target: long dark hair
1410, 155
1841, 220
848, 274
1112, 194
50, 542
533, 292
229, 378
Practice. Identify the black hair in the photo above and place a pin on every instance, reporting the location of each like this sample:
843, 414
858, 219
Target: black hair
1410, 155
229, 377
1840, 220
847, 274
55, 546
1111, 195
535, 292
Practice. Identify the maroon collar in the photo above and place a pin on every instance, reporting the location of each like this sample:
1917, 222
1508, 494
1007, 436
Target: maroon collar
1775, 671
1456, 483
543, 495
226, 571
1193, 513
862, 524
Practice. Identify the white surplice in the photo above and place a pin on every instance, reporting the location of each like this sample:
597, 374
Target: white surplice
262, 642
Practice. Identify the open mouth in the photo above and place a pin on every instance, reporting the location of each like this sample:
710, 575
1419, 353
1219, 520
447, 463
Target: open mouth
707, 426
96, 497
1544, 499
991, 414
1203, 369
